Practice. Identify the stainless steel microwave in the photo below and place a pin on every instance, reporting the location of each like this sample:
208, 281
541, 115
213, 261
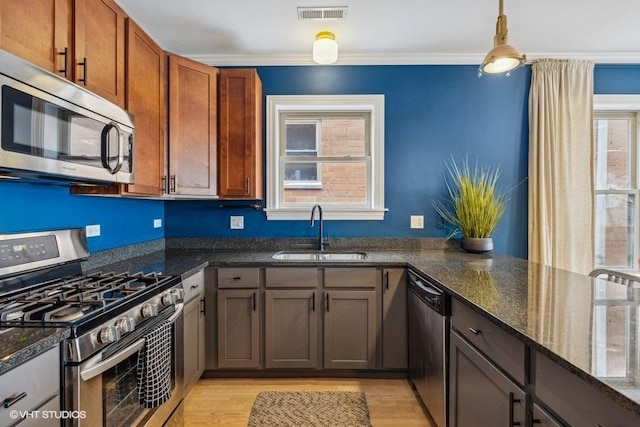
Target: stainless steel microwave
53, 128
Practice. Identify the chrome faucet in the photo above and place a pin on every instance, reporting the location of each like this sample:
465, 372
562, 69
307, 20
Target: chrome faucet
321, 243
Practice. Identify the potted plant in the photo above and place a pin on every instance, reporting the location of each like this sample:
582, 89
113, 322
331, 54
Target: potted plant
475, 204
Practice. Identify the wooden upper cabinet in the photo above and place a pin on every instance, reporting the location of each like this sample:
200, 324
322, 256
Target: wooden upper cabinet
145, 99
240, 136
100, 48
39, 31
192, 127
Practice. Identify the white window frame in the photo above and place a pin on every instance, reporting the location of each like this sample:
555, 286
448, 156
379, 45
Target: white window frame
603, 105
370, 104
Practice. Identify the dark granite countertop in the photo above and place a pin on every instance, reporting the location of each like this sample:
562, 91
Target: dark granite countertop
17, 345
553, 311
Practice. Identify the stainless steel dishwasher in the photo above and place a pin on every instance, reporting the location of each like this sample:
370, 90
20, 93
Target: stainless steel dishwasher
429, 311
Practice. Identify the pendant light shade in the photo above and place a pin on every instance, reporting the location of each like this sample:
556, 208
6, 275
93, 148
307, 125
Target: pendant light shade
325, 48
503, 58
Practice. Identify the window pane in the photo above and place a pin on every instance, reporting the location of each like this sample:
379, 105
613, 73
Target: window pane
341, 183
343, 137
614, 230
613, 159
300, 172
301, 136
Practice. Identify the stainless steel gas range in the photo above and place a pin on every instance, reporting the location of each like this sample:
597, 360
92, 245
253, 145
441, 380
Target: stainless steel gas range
122, 364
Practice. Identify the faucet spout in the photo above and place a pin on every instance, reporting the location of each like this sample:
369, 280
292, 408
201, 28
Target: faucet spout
321, 244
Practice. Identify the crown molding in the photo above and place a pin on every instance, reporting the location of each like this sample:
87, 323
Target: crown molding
404, 59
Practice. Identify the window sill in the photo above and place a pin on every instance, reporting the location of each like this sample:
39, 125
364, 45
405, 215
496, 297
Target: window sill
328, 214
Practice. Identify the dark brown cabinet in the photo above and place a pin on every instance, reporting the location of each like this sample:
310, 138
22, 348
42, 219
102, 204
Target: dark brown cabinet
192, 168
480, 394
100, 48
291, 328
145, 99
240, 134
394, 319
39, 31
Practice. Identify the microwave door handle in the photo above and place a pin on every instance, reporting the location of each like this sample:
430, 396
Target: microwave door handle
98, 367
104, 149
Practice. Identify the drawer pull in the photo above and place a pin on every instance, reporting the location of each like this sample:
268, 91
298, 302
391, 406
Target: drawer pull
237, 278
194, 286
475, 331
512, 402
9, 401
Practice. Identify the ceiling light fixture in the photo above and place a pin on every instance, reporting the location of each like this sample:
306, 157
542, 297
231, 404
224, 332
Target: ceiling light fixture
503, 58
325, 48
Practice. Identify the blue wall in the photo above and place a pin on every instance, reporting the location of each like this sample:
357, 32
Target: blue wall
432, 112
27, 207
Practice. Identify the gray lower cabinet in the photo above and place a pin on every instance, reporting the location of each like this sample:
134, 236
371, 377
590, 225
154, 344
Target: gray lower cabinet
540, 418
194, 329
238, 328
480, 394
572, 399
394, 319
291, 328
349, 329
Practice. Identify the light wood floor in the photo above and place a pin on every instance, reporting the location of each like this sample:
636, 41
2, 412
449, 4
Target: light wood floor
228, 402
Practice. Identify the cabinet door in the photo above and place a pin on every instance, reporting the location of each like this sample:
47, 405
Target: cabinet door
145, 99
99, 48
39, 31
480, 395
238, 328
240, 144
349, 329
394, 319
191, 343
192, 127
291, 328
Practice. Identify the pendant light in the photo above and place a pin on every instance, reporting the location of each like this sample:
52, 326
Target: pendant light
325, 48
503, 58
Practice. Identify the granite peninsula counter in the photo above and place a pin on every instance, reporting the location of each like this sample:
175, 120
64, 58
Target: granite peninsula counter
557, 313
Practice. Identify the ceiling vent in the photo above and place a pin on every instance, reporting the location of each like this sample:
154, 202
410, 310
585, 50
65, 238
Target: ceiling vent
322, 13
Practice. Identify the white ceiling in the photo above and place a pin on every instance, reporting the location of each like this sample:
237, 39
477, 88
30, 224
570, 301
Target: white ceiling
268, 32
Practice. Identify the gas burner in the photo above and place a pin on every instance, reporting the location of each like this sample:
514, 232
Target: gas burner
65, 314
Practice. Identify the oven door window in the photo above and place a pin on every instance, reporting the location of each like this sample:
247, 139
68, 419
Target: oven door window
40, 128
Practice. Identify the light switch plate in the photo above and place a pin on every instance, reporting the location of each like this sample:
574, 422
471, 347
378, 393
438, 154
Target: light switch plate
236, 222
157, 223
417, 221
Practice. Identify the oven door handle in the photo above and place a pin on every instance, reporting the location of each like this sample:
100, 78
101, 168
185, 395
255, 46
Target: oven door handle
178, 313
101, 366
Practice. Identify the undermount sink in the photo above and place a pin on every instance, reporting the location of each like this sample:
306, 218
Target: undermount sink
319, 256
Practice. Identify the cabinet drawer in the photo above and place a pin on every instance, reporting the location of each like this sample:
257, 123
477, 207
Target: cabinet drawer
247, 278
193, 286
504, 349
38, 378
574, 400
346, 277
286, 277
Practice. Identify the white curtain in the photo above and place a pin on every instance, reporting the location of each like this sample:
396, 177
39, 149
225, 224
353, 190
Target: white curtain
561, 164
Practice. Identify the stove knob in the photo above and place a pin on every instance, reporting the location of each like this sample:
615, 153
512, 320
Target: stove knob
126, 324
109, 334
149, 310
169, 298
179, 293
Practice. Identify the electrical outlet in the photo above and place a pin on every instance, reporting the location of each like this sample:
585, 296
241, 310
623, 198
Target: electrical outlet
417, 221
93, 230
157, 223
236, 223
